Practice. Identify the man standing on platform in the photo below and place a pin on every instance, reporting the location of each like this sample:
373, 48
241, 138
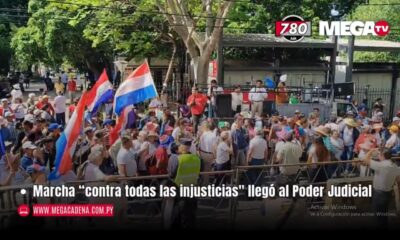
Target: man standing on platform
257, 96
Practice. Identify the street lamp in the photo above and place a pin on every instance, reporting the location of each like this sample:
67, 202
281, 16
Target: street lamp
334, 15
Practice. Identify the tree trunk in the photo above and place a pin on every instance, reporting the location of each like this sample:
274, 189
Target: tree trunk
202, 69
170, 66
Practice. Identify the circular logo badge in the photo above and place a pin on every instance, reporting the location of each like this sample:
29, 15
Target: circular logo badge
23, 210
382, 28
295, 30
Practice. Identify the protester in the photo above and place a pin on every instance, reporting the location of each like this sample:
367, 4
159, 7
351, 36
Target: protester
386, 172
237, 100
212, 93
240, 141
197, 103
126, 158
257, 155
257, 95
60, 107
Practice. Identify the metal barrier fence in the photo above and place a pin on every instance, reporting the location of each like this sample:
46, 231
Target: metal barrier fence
149, 210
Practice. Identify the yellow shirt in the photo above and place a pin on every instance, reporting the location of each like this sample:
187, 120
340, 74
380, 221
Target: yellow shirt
59, 87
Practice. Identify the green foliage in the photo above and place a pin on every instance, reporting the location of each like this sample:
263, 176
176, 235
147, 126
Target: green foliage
387, 12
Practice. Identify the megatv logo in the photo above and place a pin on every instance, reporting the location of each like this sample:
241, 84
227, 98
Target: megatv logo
354, 28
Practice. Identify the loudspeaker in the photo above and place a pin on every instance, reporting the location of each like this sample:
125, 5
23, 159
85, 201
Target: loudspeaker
224, 105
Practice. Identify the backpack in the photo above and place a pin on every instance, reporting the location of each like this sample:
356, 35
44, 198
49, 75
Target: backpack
80, 173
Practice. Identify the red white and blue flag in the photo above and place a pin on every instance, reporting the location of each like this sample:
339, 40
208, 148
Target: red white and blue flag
66, 143
101, 93
138, 87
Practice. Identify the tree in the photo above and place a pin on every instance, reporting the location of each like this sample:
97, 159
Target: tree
10, 18
377, 12
54, 34
179, 14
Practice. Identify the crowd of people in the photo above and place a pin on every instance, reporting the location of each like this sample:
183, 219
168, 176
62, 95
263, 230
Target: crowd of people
154, 137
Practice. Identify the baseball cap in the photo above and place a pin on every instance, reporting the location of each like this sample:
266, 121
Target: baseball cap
8, 114
54, 126
108, 122
28, 145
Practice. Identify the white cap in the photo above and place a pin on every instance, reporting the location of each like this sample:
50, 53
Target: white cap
28, 145
31, 95
283, 78
396, 119
8, 114
4, 100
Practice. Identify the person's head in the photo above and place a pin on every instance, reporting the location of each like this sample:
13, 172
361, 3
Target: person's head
386, 154
126, 141
55, 129
40, 123
96, 154
32, 96
18, 100
142, 136
45, 99
214, 83
394, 129
316, 111
98, 136
27, 126
59, 93
366, 129
206, 126
259, 83
184, 146
249, 123
225, 136
259, 132
28, 148
9, 116
4, 102
48, 143
237, 89
379, 100
335, 134
239, 120
89, 132
152, 137
195, 90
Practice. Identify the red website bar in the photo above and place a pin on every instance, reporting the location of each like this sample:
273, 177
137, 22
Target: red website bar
73, 210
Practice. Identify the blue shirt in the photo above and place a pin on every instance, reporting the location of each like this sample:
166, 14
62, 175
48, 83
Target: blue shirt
240, 139
26, 162
5, 134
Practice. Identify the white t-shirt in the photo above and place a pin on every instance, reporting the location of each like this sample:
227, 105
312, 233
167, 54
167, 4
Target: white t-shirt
176, 132
127, 158
258, 94
385, 174
222, 153
16, 94
93, 173
237, 100
259, 145
338, 145
208, 142
19, 111
60, 105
